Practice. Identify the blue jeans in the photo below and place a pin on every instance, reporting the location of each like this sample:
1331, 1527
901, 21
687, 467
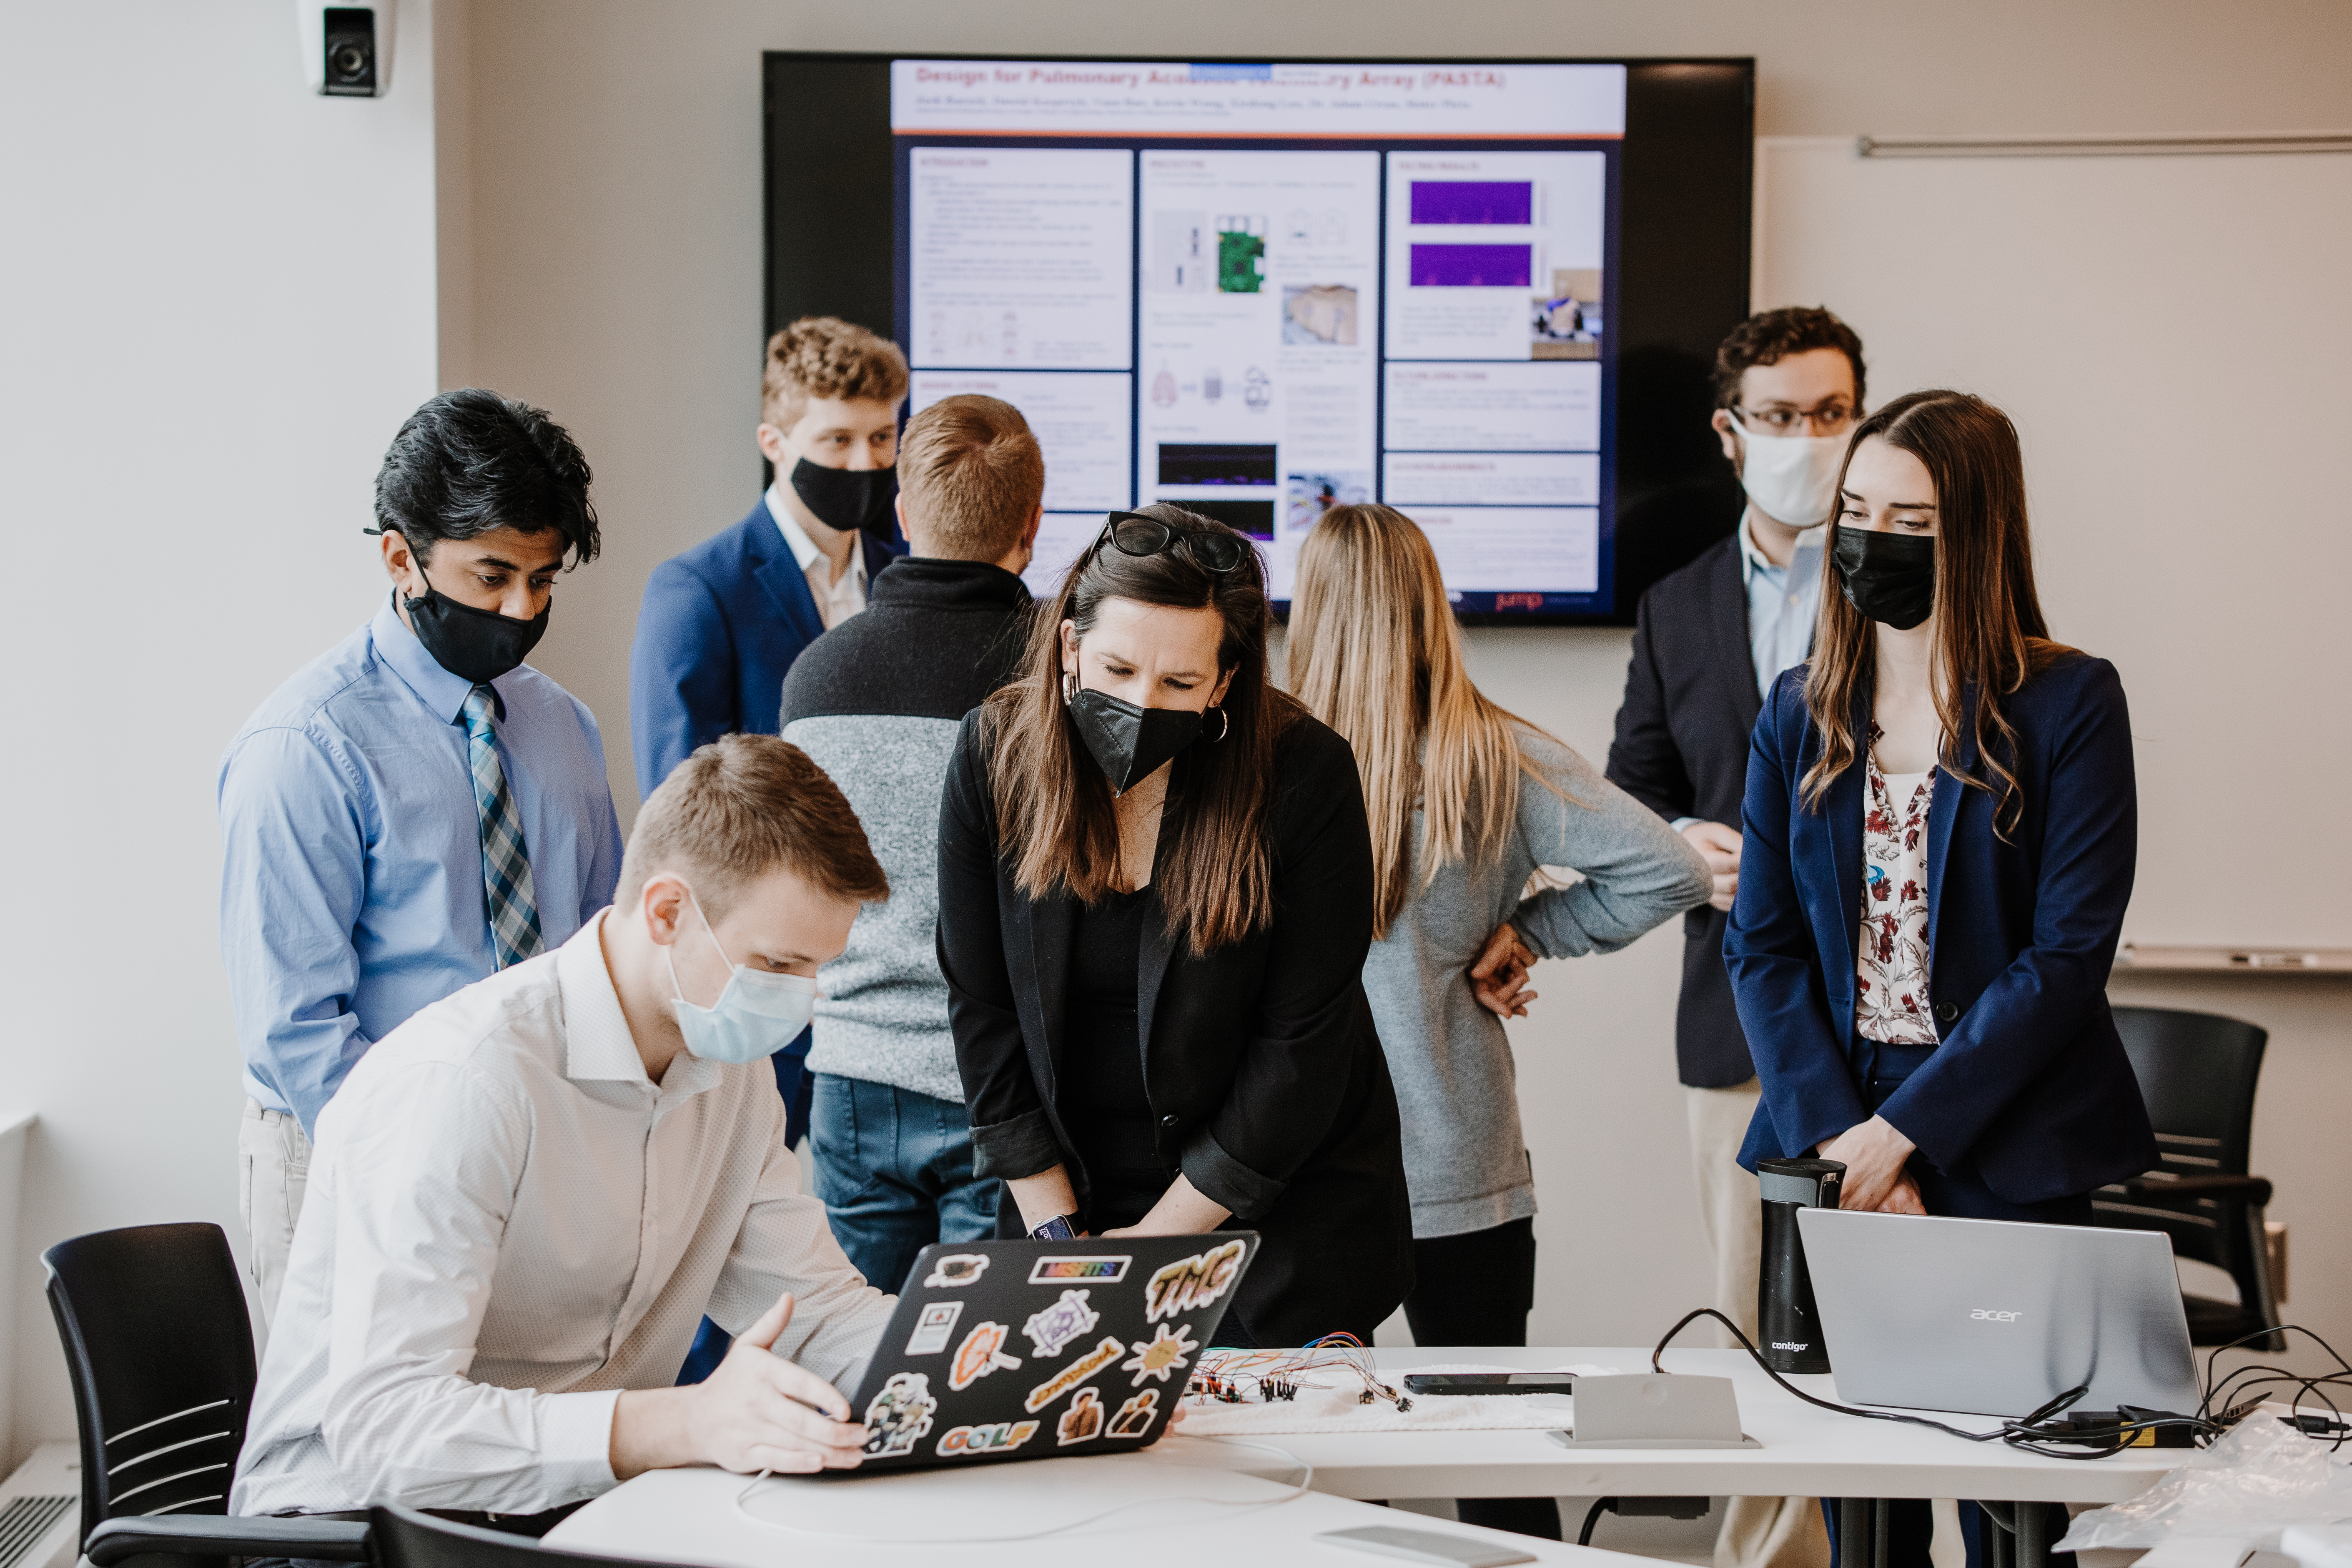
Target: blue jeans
894, 1168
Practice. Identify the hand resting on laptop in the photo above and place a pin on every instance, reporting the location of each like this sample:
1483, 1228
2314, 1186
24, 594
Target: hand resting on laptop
756, 1411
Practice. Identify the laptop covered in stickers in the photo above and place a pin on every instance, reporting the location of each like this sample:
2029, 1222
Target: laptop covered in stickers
1025, 1350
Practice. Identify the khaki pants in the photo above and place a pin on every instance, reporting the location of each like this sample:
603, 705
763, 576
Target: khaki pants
273, 1166
1758, 1532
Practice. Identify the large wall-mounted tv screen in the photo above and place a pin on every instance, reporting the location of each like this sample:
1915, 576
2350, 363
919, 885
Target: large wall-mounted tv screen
1483, 292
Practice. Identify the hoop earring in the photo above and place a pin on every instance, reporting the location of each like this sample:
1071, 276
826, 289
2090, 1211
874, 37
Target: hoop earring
1069, 688
1225, 726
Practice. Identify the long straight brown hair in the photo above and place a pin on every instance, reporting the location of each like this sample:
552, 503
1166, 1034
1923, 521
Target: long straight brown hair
1991, 637
1376, 653
1056, 822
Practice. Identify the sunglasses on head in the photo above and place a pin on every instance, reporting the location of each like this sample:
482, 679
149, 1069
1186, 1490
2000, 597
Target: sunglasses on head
1132, 534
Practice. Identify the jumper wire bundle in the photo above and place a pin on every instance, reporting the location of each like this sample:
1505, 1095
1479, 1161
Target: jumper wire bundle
1237, 1377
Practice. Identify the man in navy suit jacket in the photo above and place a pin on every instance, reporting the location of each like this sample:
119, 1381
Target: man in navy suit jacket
723, 622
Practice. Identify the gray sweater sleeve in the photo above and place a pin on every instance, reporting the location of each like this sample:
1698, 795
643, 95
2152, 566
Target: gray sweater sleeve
1638, 872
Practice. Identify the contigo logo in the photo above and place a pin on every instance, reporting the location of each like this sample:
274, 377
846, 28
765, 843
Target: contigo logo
1788, 1345
1982, 1316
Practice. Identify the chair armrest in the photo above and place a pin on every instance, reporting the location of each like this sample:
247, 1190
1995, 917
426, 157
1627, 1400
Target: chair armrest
2256, 1190
227, 1535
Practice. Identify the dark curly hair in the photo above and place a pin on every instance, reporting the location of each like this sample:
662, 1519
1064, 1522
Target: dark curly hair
1769, 337
472, 460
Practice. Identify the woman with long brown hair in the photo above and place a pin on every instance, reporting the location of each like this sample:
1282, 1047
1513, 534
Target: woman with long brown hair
1465, 800
1939, 833
1155, 895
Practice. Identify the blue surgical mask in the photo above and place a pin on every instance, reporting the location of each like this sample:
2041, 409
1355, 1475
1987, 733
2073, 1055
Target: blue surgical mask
757, 1014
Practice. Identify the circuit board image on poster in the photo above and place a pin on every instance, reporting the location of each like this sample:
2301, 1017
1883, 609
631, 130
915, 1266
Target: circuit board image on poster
1025, 1350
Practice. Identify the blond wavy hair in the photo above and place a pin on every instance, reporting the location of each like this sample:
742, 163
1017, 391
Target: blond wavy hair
1375, 653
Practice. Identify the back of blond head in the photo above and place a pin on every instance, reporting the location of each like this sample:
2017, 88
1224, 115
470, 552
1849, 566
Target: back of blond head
972, 477
1376, 653
739, 808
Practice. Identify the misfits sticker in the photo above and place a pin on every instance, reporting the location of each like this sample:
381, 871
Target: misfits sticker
1163, 1355
899, 1414
1193, 1281
1083, 1421
996, 1438
932, 1328
958, 1268
1108, 1351
1053, 1328
981, 1353
1052, 1270
1134, 1417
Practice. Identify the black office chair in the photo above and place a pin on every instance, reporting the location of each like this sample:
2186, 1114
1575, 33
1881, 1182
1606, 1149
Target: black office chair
160, 1352
406, 1539
2197, 1072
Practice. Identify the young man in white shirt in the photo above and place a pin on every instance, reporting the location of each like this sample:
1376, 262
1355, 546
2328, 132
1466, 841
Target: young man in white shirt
525, 1198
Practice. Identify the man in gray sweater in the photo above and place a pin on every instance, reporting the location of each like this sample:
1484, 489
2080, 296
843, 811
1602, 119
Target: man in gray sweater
877, 701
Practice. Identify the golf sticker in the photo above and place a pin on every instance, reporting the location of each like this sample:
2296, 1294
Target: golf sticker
899, 1414
932, 1328
1193, 1281
1163, 1355
1083, 1421
1051, 1329
981, 1353
1134, 1417
1105, 1353
1107, 1268
996, 1438
958, 1268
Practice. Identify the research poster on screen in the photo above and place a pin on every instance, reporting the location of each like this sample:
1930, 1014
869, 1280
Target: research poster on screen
1261, 332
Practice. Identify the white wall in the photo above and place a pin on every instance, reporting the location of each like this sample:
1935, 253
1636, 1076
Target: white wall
616, 208
219, 303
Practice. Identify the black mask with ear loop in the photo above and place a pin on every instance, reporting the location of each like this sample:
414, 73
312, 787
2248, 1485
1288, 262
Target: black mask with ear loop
475, 645
1128, 743
850, 499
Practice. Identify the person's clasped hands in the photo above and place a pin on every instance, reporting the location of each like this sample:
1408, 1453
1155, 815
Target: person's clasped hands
1499, 978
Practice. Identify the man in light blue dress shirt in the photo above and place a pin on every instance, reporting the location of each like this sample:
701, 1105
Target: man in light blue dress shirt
415, 809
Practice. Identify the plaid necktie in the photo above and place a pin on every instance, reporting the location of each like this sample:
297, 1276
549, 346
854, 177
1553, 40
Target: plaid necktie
506, 859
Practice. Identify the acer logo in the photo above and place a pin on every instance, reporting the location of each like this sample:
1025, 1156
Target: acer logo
1983, 1316
1786, 1346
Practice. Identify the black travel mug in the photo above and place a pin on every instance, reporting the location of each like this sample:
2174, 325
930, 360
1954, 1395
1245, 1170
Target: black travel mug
1784, 1290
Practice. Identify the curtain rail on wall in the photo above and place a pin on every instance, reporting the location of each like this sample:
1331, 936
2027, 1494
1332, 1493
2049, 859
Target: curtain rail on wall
2097, 146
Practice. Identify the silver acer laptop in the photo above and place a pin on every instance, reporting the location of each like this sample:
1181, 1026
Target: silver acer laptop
1995, 1317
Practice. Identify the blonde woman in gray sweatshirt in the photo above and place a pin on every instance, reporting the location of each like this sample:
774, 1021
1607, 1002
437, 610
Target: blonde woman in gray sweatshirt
1465, 801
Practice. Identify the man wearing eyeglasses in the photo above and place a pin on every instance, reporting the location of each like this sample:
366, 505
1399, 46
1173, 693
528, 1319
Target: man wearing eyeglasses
1787, 388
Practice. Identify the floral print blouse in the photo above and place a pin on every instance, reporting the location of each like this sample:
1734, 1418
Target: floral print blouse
1892, 1005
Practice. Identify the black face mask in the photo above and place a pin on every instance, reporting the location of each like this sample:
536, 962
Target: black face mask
851, 500
477, 645
1128, 743
1888, 577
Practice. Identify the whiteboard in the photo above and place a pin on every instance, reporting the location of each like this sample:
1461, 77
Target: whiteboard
2173, 337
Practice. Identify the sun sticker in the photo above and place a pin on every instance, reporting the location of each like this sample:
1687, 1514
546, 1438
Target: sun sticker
899, 1414
1134, 1417
1193, 1281
981, 1353
1051, 1329
1105, 1351
1083, 1421
958, 1268
1163, 1355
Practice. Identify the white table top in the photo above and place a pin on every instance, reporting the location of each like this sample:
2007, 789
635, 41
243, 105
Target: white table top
1806, 1452
692, 1516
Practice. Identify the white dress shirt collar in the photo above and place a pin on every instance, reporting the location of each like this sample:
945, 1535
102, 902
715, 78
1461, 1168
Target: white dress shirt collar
597, 1044
1752, 556
836, 601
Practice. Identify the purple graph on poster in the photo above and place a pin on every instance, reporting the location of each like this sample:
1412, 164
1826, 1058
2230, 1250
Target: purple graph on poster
1472, 266
1473, 201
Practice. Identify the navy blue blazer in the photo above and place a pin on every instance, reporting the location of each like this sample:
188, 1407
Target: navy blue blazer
2030, 1091
721, 625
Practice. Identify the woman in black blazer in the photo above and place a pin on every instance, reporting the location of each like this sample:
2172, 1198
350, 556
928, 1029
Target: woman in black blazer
1155, 900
